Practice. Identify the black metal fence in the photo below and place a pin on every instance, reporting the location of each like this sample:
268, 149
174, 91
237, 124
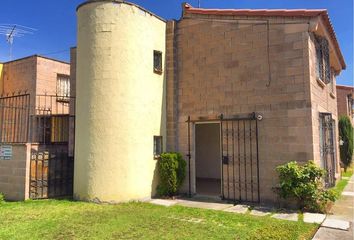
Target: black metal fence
14, 118
44, 119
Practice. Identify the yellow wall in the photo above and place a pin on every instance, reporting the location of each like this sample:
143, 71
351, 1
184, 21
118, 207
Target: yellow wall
120, 102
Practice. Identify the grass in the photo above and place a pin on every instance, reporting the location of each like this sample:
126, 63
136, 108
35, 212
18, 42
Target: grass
64, 219
343, 182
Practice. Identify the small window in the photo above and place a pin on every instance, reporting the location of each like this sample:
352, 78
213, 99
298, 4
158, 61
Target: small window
63, 87
157, 61
157, 146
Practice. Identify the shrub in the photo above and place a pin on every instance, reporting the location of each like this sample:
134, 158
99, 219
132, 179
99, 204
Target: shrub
346, 137
304, 184
2, 198
172, 171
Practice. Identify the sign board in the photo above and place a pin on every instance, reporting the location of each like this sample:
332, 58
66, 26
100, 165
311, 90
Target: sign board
5, 152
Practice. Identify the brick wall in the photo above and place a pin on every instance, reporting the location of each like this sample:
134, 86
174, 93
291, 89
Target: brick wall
222, 67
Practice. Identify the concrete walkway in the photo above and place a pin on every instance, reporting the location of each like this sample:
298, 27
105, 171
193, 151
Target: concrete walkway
339, 225
217, 204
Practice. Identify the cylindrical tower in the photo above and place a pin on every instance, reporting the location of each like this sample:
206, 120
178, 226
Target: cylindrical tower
120, 101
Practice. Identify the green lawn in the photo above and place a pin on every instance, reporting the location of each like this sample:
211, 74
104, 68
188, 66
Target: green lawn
343, 182
64, 219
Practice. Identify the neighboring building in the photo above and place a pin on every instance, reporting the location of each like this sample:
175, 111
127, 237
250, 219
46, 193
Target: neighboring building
238, 92
36, 75
345, 102
35, 124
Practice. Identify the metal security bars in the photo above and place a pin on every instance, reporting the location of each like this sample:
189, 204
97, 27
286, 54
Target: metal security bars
53, 119
52, 127
14, 118
240, 162
327, 149
239, 157
51, 174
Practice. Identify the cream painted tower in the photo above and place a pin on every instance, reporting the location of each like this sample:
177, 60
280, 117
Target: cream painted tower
120, 101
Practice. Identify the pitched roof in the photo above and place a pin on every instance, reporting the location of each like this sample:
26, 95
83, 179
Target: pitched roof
323, 13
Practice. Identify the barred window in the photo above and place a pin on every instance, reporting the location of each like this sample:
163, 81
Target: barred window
323, 68
157, 61
157, 146
63, 87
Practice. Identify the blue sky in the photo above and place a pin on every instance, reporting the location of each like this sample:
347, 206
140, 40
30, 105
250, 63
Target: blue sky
56, 23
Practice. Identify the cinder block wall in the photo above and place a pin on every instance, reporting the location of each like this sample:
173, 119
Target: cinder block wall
342, 101
323, 100
47, 71
222, 67
20, 75
14, 173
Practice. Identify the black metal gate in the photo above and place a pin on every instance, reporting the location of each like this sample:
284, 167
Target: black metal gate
52, 127
239, 157
327, 149
51, 174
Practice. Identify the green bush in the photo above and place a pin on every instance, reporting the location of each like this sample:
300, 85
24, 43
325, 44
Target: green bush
346, 137
2, 198
304, 184
172, 172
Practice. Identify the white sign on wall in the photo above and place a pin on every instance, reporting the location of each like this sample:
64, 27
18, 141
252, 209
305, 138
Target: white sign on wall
5, 152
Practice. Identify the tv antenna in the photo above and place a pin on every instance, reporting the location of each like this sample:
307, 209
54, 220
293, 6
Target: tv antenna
12, 31
198, 3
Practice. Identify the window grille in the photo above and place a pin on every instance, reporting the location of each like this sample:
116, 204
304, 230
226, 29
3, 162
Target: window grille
157, 61
323, 68
157, 146
63, 87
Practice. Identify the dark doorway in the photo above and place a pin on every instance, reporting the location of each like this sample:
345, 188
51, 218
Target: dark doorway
208, 164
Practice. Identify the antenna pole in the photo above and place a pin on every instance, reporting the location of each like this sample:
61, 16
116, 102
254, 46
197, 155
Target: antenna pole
198, 3
10, 51
10, 39
12, 31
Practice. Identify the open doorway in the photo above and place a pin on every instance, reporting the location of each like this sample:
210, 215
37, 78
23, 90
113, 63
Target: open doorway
208, 165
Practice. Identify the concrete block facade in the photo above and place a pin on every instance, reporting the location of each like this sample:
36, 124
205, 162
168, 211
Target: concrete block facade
34, 75
14, 173
223, 69
230, 62
345, 101
237, 65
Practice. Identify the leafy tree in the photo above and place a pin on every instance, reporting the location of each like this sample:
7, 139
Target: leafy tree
346, 137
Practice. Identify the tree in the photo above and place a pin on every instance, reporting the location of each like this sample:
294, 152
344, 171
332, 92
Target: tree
346, 144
